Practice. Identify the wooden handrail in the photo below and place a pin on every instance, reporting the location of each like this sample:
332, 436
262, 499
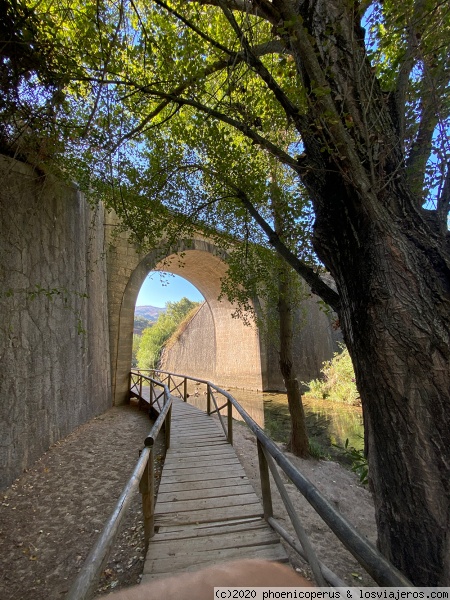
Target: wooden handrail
383, 572
378, 567
142, 477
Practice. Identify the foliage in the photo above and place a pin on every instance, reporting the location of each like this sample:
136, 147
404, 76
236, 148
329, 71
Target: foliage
338, 379
172, 113
182, 326
136, 345
141, 323
154, 338
316, 450
358, 460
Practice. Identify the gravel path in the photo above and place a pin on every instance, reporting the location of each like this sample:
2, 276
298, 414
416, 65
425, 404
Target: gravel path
52, 515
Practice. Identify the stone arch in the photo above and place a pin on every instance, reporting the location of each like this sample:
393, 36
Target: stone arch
234, 359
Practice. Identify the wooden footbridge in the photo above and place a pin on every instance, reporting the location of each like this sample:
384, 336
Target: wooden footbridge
206, 510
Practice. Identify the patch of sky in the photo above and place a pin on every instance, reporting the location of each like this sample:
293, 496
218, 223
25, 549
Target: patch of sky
161, 287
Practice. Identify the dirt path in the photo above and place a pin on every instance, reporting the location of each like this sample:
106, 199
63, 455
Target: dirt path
51, 516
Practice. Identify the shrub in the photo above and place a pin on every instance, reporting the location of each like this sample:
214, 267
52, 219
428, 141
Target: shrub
337, 381
316, 450
357, 460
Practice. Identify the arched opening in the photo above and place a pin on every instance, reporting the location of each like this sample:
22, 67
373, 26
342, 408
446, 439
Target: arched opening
233, 358
163, 302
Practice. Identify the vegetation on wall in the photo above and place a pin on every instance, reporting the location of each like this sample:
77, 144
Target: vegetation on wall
154, 338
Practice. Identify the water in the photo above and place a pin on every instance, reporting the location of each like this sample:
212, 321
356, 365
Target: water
328, 422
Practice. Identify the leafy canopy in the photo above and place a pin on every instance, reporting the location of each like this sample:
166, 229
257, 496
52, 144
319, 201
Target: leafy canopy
172, 112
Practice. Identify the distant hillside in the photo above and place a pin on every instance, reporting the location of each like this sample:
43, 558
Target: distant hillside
151, 313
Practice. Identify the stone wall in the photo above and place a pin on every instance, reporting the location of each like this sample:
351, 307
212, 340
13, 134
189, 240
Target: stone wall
54, 346
235, 354
314, 342
195, 351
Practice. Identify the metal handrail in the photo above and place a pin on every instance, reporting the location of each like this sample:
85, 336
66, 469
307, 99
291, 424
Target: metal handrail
378, 567
142, 477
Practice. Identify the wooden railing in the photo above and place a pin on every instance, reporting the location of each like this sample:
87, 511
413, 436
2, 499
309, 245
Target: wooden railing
85, 585
376, 565
171, 384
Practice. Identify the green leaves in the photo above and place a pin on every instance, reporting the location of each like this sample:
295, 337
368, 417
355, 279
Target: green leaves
154, 338
169, 108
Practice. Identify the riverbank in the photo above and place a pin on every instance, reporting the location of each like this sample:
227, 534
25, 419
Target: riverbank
342, 489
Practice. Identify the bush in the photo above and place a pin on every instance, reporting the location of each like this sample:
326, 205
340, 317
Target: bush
316, 450
337, 381
357, 460
154, 338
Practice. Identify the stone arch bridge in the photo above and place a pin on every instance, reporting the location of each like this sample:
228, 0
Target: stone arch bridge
215, 345
68, 287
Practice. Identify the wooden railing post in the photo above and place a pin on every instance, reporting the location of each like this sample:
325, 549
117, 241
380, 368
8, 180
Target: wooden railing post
140, 385
167, 427
208, 399
230, 421
265, 482
147, 489
298, 527
185, 396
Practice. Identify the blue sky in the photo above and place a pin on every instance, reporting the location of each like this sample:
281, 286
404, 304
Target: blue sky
159, 288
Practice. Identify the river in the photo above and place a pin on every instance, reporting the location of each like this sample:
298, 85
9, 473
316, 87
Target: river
328, 422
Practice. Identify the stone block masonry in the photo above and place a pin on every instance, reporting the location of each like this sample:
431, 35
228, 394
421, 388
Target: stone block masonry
69, 279
54, 339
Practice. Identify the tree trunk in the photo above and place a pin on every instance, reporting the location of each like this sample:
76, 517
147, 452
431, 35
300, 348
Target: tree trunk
298, 440
394, 282
392, 271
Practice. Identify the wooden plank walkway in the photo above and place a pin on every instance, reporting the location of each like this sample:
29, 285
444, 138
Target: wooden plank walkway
207, 511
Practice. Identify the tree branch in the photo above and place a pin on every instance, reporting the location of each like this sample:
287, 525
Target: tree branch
406, 67
194, 28
260, 8
244, 128
291, 110
421, 148
434, 82
233, 60
105, 66
317, 285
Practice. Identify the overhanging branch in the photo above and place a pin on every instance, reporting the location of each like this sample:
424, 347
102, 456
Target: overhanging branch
317, 285
244, 128
233, 59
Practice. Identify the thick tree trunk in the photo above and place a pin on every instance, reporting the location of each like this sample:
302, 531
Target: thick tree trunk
298, 440
392, 272
394, 282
